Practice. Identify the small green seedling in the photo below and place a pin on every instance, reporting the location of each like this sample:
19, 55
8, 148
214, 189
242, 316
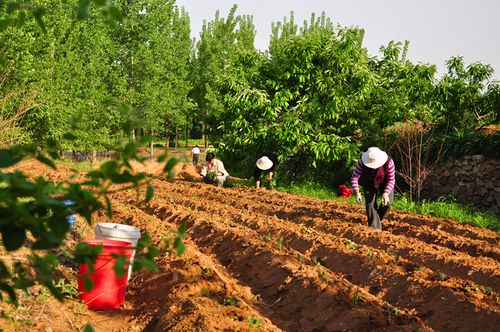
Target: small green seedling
441, 276
230, 301
206, 272
255, 322
268, 237
488, 290
357, 299
279, 242
322, 275
304, 229
350, 244
316, 262
67, 289
205, 292
394, 257
390, 311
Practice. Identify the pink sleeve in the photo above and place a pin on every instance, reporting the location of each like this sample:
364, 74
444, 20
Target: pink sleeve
391, 177
358, 171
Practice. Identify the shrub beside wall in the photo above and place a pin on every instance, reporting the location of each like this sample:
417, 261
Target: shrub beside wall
472, 180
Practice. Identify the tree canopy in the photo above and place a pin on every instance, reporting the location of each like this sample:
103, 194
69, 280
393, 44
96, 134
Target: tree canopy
315, 95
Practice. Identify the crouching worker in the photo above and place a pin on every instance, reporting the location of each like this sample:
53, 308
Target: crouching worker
213, 171
266, 163
375, 172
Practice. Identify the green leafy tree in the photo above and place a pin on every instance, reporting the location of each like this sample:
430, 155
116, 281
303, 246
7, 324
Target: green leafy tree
155, 60
403, 92
71, 64
167, 57
468, 95
32, 214
219, 40
306, 101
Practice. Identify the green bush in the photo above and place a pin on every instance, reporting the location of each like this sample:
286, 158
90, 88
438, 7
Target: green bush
469, 142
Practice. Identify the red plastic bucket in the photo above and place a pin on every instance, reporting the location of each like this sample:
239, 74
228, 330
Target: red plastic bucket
108, 291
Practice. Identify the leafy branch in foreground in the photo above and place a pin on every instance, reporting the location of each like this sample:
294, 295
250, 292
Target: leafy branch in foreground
32, 214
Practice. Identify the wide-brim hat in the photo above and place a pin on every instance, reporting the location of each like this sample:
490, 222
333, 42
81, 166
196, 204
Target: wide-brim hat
374, 157
264, 163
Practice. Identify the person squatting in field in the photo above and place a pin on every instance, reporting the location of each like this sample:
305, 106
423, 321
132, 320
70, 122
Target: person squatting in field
375, 172
268, 163
213, 171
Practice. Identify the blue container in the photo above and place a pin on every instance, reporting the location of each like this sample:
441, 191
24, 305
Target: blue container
71, 218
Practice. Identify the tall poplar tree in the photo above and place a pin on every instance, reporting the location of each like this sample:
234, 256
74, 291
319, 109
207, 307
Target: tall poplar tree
155, 59
220, 39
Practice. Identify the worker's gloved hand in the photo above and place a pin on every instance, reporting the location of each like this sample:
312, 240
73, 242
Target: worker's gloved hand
385, 199
359, 198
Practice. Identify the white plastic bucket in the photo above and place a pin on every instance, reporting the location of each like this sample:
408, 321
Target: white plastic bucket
111, 231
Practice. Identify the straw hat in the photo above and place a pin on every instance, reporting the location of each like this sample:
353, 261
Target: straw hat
264, 163
374, 158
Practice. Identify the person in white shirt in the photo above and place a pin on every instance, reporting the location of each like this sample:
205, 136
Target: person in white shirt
213, 171
195, 152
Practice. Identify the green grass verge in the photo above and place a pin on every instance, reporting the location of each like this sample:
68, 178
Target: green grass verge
450, 209
84, 166
444, 208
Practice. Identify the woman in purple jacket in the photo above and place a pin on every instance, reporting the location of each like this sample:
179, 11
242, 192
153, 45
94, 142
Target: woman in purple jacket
375, 172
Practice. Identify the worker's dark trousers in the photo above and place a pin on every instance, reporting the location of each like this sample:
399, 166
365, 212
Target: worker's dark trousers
376, 214
196, 157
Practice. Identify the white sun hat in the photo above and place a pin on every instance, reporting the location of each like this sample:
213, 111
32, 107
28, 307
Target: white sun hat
264, 163
374, 157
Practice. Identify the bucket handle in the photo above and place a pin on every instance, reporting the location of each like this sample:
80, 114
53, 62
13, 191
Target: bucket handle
103, 265
99, 226
104, 293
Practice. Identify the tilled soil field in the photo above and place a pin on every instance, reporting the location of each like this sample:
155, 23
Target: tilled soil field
274, 261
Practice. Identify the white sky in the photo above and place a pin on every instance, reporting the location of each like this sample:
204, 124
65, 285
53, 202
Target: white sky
436, 29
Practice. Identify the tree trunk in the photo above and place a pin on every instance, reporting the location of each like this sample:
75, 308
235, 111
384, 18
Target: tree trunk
204, 135
94, 156
187, 132
168, 124
176, 137
151, 147
205, 130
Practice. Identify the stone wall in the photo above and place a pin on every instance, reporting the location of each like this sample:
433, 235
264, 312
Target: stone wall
473, 180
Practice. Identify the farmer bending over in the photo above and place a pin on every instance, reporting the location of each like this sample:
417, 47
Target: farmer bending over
213, 171
375, 171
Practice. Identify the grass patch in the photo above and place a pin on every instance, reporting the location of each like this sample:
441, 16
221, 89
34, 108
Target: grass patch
449, 209
83, 166
313, 190
192, 142
444, 208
